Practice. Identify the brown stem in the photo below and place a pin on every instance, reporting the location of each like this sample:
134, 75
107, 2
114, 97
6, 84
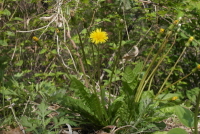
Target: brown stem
79, 57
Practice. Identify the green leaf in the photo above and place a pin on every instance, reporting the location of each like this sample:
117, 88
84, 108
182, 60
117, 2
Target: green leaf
166, 110
177, 131
62, 121
84, 31
17, 18
9, 33
6, 12
126, 4
128, 75
98, 20
115, 106
3, 43
42, 51
91, 101
8, 92
79, 88
167, 97
145, 101
192, 94
185, 116
85, 1
19, 63
31, 124
25, 121
160, 132
47, 121
130, 78
43, 110
78, 106
54, 51
96, 107
126, 88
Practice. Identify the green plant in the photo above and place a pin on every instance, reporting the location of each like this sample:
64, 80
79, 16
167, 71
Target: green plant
142, 69
187, 117
43, 124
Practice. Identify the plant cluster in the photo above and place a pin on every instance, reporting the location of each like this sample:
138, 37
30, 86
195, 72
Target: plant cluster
101, 66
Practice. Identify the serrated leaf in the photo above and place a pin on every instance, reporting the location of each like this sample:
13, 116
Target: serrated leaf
47, 121
25, 121
78, 106
129, 79
146, 99
126, 88
80, 90
115, 106
43, 110
128, 75
95, 105
61, 121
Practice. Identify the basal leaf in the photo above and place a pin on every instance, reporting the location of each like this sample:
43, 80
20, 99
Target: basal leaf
130, 78
80, 89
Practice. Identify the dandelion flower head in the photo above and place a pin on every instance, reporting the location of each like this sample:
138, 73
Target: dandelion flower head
162, 30
35, 38
198, 66
174, 98
57, 30
176, 22
191, 38
98, 36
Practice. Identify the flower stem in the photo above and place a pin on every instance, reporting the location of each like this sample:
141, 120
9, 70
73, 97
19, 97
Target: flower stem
196, 114
173, 83
172, 69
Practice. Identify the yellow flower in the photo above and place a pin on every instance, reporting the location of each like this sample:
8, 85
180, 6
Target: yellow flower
35, 38
98, 36
191, 39
57, 30
176, 22
198, 66
162, 30
174, 98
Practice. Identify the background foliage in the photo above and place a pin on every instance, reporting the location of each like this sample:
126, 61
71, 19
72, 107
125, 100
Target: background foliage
48, 65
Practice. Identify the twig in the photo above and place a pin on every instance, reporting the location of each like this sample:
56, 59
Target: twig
79, 57
69, 128
26, 105
20, 126
113, 131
